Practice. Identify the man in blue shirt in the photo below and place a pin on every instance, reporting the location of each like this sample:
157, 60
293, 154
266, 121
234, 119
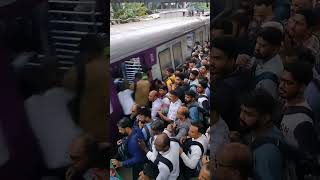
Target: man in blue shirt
134, 155
144, 118
255, 116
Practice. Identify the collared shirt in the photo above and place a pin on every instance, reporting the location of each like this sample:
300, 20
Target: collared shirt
192, 159
173, 156
173, 108
156, 106
275, 66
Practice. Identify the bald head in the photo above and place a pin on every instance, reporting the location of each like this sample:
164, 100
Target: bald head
238, 156
182, 113
162, 142
153, 95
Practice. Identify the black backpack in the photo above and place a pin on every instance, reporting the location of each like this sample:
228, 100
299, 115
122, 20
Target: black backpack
186, 171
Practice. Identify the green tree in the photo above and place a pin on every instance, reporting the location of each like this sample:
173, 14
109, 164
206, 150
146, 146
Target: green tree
129, 10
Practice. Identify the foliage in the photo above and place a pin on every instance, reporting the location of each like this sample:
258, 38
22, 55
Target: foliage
129, 10
201, 6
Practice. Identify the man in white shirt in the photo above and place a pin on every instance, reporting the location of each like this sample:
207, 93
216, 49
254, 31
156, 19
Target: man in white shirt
173, 108
125, 98
156, 103
167, 159
195, 147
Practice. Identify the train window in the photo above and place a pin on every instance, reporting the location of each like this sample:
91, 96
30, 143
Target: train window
201, 37
190, 42
198, 36
165, 61
177, 54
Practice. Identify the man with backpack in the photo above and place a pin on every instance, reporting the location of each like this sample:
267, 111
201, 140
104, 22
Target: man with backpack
144, 118
202, 97
194, 148
167, 158
263, 138
193, 106
129, 153
297, 124
267, 65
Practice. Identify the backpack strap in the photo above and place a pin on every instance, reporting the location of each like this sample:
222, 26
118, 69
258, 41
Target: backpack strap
299, 109
175, 140
191, 143
164, 160
147, 131
267, 75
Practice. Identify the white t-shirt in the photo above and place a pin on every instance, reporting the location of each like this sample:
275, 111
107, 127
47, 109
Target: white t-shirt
126, 100
156, 106
192, 159
173, 156
173, 108
52, 125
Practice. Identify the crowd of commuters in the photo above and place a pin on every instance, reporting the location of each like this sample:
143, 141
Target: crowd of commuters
244, 106
265, 78
166, 123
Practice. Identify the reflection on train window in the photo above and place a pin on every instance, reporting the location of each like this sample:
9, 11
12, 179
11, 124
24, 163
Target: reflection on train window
165, 61
177, 54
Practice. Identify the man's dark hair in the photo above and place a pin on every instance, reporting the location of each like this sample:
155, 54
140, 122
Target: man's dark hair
203, 83
163, 87
272, 35
157, 125
174, 92
180, 75
227, 45
301, 54
125, 122
309, 17
195, 72
260, 100
145, 112
264, 2
151, 170
199, 125
300, 71
138, 75
223, 24
242, 18
206, 66
170, 70
179, 69
193, 60
190, 93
